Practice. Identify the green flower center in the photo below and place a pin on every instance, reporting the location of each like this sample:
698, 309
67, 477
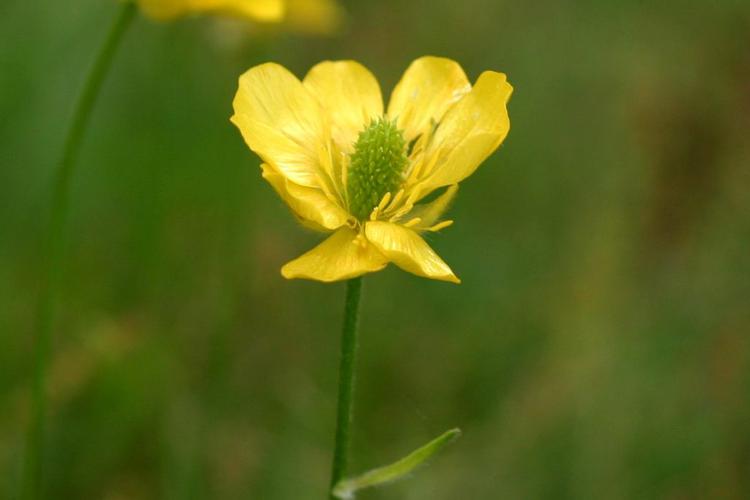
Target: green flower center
377, 166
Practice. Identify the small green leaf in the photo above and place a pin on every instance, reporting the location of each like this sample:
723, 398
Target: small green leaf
347, 487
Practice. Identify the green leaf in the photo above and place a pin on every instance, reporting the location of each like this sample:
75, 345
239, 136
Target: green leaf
347, 487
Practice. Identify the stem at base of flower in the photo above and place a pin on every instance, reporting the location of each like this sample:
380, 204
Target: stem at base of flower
346, 381
33, 469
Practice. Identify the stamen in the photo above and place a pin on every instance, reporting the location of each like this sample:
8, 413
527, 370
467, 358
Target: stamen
423, 168
344, 169
402, 211
384, 201
440, 225
323, 183
413, 222
396, 199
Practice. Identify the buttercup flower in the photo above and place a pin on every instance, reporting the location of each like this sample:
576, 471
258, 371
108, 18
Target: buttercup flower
258, 10
313, 16
376, 180
305, 16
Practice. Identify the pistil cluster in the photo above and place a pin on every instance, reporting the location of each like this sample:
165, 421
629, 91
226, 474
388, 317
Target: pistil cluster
377, 166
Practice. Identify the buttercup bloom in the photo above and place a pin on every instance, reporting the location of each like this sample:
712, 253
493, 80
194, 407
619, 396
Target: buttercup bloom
258, 10
305, 16
344, 166
315, 17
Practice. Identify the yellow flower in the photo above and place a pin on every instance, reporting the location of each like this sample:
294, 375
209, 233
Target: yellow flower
316, 17
343, 165
258, 10
305, 16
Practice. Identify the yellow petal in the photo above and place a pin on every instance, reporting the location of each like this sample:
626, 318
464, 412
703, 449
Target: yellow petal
428, 88
429, 213
349, 94
408, 250
283, 124
469, 132
311, 206
317, 17
259, 10
342, 256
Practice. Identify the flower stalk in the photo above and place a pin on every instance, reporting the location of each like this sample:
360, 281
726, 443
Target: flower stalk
55, 243
346, 382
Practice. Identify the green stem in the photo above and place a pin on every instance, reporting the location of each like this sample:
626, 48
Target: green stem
55, 243
346, 381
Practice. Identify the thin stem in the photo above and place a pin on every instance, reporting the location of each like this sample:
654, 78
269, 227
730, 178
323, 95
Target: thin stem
55, 243
346, 381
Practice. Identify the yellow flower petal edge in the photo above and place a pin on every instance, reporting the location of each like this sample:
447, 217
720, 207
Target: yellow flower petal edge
342, 256
343, 165
257, 10
469, 132
314, 17
284, 124
313, 209
408, 250
310, 17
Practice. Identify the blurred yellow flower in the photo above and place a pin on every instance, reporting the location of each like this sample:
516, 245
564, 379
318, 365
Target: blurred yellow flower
258, 10
318, 17
343, 165
306, 16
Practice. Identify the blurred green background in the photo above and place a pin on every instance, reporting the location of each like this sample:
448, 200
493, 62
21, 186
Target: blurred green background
598, 347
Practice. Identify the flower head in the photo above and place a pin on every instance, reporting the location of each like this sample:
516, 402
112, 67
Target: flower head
257, 10
376, 180
315, 17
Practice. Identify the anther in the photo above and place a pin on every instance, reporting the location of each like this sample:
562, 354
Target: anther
384, 201
440, 225
413, 222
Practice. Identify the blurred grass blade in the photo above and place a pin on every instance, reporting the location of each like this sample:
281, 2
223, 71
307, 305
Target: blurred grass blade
33, 471
346, 488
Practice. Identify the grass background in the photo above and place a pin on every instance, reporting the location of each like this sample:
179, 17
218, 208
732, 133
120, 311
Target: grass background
598, 346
